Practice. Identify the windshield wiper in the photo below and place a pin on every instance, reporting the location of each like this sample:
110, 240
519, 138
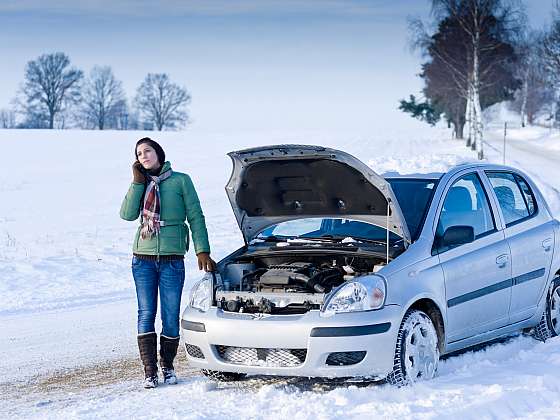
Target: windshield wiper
369, 241
322, 238
273, 238
340, 238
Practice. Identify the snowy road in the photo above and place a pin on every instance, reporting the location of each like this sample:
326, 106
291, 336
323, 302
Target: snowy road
55, 340
516, 379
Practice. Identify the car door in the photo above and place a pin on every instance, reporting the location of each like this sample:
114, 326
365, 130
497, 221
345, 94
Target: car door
531, 240
477, 274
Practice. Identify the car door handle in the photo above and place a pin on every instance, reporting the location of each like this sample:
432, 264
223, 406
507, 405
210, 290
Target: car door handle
502, 260
547, 244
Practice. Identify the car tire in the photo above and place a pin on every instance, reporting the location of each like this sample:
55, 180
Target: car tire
549, 326
219, 376
417, 350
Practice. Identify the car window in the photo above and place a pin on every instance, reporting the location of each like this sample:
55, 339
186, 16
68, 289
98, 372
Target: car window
527, 194
294, 227
414, 197
466, 204
512, 201
336, 227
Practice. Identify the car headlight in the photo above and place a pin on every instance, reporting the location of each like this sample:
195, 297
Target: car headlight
201, 294
362, 294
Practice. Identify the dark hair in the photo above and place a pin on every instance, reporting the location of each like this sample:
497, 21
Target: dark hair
159, 151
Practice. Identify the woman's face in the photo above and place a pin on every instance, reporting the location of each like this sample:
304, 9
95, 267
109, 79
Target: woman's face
147, 156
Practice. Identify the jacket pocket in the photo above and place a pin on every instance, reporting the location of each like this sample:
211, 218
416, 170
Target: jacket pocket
170, 240
145, 246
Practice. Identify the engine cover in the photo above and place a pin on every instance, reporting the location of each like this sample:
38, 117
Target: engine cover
286, 275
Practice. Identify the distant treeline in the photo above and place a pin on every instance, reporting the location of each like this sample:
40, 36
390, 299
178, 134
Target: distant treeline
479, 53
55, 94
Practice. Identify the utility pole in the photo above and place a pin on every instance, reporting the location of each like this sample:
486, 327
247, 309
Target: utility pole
505, 134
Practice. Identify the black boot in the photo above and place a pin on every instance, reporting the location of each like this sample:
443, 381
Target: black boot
167, 352
147, 344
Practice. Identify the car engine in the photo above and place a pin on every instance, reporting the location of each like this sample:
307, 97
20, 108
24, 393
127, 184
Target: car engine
285, 285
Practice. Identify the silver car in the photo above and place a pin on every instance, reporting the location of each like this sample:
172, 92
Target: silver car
345, 273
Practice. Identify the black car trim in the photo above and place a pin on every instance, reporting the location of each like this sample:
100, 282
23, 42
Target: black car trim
350, 331
529, 276
193, 326
496, 287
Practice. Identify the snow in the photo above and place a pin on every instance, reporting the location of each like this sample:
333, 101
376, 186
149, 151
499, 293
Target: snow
516, 379
69, 300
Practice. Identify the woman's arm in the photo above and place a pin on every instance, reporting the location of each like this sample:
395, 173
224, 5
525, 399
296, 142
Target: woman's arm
195, 217
130, 207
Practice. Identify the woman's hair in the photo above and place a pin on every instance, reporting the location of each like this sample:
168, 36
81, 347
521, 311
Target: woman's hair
159, 151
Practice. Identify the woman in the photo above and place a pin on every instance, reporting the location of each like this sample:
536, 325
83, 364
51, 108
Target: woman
163, 199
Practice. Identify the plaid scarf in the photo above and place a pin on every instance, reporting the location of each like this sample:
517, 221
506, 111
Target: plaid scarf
152, 206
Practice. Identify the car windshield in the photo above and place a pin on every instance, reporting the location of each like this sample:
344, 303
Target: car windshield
414, 197
328, 229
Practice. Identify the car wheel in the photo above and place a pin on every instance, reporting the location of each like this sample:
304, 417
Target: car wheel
550, 321
218, 376
417, 350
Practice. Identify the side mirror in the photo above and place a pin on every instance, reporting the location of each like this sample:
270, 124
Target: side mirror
455, 236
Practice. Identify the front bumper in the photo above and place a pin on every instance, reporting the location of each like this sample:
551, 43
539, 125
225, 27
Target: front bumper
374, 332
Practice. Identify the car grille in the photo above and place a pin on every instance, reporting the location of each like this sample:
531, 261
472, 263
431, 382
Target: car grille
250, 356
345, 358
194, 351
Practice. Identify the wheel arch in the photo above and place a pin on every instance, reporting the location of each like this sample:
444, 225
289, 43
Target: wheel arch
432, 309
554, 280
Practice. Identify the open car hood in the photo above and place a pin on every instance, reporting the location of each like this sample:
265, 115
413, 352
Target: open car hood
273, 184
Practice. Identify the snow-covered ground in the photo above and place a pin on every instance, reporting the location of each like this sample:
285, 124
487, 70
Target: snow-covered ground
68, 298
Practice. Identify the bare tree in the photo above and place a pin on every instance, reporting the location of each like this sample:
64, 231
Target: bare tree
50, 86
7, 118
551, 55
481, 31
536, 90
161, 102
103, 98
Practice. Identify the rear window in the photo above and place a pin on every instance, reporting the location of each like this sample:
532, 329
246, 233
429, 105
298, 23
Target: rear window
414, 197
514, 196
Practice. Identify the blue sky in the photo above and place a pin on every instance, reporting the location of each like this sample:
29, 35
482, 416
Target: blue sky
249, 64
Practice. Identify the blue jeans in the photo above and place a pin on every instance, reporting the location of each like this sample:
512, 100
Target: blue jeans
168, 277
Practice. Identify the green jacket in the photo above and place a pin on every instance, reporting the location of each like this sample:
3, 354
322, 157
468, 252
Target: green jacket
179, 201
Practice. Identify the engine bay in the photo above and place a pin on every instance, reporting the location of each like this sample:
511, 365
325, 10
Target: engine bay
287, 284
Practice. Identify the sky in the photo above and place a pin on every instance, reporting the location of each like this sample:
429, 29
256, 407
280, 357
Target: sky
292, 65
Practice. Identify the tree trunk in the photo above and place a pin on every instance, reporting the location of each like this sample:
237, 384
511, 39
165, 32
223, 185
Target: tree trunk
101, 120
524, 95
477, 108
459, 128
468, 119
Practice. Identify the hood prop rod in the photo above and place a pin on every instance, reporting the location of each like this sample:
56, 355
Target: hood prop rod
388, 211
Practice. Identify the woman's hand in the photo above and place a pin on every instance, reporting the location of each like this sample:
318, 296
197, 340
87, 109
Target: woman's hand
137, 173
205, 262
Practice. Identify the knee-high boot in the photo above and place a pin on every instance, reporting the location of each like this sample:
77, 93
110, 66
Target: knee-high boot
147, 345
167, 352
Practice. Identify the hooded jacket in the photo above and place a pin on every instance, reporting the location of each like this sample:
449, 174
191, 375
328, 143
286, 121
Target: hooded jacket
179, 203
